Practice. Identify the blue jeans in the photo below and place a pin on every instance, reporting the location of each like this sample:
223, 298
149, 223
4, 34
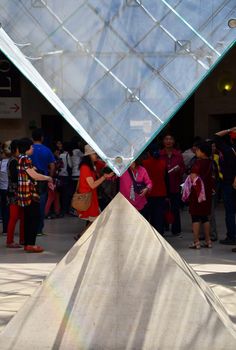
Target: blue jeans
229, 196
43, 201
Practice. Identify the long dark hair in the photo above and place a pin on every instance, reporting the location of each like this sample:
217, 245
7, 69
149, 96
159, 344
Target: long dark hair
86, 160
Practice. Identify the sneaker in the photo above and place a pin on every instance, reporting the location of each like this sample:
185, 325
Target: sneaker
41, 234
73, 212
228, 241
33, 249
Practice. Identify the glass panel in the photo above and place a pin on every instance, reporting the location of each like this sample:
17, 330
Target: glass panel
116, 70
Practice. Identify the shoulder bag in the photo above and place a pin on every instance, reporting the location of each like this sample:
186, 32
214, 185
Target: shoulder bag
81, 201
138, 186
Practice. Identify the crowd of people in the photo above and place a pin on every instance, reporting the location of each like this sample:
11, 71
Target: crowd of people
38, 182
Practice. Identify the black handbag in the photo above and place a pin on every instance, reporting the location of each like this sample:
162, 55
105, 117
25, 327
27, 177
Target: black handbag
138, 186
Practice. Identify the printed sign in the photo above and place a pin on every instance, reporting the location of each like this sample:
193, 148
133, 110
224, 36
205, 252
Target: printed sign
10, 108
10, 98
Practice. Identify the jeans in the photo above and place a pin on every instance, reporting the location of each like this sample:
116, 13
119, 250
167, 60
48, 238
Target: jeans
229, 196
43, 201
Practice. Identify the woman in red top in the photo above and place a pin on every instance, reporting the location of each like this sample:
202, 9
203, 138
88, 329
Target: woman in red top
200, 212
88, 182
157, 171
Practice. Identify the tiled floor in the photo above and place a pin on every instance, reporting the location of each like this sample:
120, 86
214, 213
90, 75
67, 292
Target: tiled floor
21, 273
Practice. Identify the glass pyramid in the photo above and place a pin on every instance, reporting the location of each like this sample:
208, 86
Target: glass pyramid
116, 70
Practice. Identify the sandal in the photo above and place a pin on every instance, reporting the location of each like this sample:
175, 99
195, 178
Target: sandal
207, 244
13, 245
195, 245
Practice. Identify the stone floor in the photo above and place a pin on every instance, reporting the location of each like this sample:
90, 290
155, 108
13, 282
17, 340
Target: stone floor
21, 273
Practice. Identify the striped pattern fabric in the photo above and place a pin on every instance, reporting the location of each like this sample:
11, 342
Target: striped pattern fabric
26, 185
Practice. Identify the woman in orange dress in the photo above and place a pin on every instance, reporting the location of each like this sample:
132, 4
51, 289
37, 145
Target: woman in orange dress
88, 182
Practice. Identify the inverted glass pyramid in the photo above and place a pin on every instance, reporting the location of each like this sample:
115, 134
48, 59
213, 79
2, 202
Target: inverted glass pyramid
117, 70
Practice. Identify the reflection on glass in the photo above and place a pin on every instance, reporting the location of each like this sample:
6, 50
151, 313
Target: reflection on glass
116, 70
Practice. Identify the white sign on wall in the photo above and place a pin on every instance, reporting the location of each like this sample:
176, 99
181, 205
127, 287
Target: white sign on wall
10, 108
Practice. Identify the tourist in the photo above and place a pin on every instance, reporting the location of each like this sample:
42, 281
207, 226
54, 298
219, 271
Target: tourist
226, 143
5, 156
16, 212
198, 189
157, 171
88, 182
44, 162
76, 157
135, 185
176, 168
217, 175
28, 196
189, 156
53, 207
65, 177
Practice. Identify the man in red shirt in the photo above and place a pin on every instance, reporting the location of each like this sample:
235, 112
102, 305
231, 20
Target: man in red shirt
176, 169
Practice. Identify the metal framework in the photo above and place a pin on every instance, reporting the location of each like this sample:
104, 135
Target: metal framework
122, 67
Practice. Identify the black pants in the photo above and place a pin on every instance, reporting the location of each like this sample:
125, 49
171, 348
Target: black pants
156, 206
144, 212
5, 210
66, 193
175, 208
31, 222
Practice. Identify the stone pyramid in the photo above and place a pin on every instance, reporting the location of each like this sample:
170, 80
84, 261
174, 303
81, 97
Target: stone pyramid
120, 287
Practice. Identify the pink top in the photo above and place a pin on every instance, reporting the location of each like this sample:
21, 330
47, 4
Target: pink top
201, 196
126, 185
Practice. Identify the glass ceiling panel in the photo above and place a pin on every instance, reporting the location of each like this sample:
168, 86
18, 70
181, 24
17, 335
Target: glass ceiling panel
116, 70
